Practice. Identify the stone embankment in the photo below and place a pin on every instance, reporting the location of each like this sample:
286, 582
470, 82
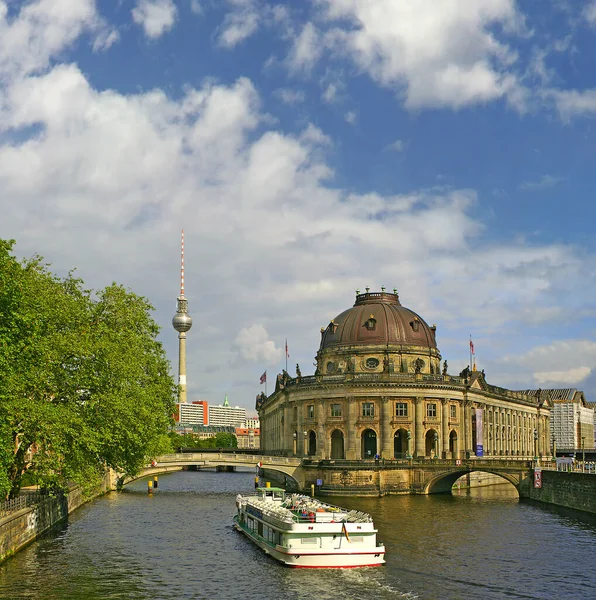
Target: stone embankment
571, 490
22, 526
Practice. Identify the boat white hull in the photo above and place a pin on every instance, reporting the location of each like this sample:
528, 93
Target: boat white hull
340, 558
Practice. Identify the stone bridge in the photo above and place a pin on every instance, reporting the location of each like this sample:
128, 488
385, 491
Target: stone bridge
363, 477
289, 467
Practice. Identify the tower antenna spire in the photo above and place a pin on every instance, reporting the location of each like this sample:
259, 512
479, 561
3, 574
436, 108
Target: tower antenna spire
182, 266
182, 322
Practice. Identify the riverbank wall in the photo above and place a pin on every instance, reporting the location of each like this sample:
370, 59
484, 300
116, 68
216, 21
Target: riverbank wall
571, 490
21, 527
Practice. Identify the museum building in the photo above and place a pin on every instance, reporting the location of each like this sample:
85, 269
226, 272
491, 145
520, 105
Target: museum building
380, 390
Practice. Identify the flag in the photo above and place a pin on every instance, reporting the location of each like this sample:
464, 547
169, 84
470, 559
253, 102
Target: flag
345, 531
287, 352
471, 346
264, 377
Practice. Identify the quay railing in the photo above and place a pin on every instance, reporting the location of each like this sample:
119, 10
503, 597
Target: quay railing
25, 500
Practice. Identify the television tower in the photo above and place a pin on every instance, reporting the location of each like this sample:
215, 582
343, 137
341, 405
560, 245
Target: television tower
182, 323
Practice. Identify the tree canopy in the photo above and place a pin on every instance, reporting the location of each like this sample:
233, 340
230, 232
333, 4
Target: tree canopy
84, 382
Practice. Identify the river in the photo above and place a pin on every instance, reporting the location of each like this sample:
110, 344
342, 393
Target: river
178, 543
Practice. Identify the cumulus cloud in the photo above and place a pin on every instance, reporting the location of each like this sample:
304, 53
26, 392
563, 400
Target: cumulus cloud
589, 12
155, 16
290, 96
253, 344
562, 363
104, 181
571, 377
306, 49
44, 28
242, 21
573, 103
440, 53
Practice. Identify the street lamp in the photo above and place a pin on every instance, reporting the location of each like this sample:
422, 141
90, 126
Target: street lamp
436, 443
535, 444
409, 436
583, 453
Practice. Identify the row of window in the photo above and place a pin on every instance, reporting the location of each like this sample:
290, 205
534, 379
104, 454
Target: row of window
368, 410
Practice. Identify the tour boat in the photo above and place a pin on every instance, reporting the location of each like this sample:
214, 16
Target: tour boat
300, 531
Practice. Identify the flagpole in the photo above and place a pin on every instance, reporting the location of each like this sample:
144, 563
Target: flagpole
286, 355
470, 346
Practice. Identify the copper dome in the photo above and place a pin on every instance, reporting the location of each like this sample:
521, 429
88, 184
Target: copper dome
378, 318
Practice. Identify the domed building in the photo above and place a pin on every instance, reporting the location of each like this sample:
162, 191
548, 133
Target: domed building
380, 390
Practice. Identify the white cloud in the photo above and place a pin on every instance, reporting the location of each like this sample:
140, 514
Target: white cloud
306, 49
396, 146
589, 12
570, 377
350, 117
253, 344
104, 181
290, 96
561, 363
240, 22
42, 29
156, 17
195, 7
545, 182
573, 103
440, 53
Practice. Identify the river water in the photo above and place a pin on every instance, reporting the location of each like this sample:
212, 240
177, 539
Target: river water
179, 544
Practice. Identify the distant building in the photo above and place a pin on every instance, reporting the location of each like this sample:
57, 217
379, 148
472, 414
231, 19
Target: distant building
203, 432
195, 413
572, 419
248, 437
231, 416
252, 423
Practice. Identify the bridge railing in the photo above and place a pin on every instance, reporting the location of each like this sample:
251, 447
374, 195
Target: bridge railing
212, 457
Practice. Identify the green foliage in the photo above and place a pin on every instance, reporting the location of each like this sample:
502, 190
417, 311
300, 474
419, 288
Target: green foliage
225, 440
84, 384
190, 440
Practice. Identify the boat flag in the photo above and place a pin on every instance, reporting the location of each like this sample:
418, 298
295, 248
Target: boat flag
345, 531
264, 377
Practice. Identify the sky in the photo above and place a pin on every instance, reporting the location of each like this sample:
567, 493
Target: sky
310, 148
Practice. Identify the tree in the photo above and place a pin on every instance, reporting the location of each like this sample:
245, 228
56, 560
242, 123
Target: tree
225, 440
84, 383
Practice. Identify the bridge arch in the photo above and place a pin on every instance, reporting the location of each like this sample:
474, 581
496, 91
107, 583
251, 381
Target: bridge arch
441, 483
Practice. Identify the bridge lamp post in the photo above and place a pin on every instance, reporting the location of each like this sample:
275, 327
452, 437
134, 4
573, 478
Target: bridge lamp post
409, 438
436, 443
536, 444
583, 453
295, 436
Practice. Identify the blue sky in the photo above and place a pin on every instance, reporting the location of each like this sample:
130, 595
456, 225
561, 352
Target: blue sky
308, 149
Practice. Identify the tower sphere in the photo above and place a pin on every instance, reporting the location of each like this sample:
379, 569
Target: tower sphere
182, 322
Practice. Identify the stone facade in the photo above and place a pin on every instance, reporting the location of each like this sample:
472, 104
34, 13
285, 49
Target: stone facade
379, 389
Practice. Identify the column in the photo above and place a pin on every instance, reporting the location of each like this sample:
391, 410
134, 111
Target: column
300, 449
322, 451
351, 429
287, 430
467, 429
419, 431
386, 445
445, 426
